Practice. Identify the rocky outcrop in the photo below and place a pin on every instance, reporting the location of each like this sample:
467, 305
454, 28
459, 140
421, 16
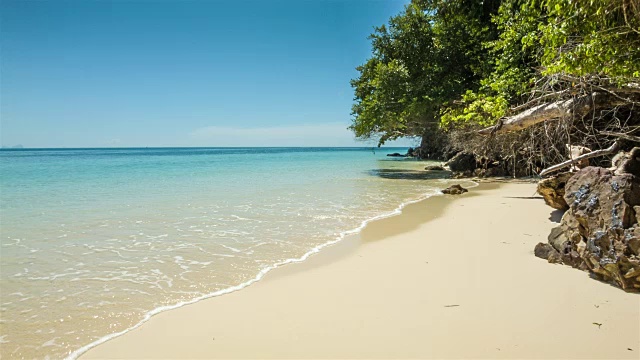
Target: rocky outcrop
600, 231
454, 190
462, 162
552, 190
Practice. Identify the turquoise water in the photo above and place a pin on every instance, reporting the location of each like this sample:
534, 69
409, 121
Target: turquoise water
94, 241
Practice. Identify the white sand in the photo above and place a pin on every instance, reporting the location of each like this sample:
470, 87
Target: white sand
462, 285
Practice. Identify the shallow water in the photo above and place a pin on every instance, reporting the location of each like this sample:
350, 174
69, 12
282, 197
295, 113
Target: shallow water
93, 240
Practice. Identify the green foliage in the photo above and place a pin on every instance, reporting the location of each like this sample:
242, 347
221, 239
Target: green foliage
426, 57
481, 110
591, 37
453, 63
548, 37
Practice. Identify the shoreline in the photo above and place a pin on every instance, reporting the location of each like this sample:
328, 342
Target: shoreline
347, 238
388, 233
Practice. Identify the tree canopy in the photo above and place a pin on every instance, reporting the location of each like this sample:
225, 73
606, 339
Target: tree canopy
442, 65
426, 57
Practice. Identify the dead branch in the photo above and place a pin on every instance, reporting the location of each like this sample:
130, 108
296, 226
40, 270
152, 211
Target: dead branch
535, 115
610, 150
622, 136
557, 110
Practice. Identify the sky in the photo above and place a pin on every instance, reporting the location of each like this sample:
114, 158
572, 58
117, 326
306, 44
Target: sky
137, 73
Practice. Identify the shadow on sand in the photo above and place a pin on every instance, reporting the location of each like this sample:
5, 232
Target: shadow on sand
409, 174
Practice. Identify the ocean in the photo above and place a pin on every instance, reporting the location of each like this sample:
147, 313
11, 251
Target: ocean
95, 241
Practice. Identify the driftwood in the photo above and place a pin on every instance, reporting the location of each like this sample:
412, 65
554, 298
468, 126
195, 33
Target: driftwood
537, 114
560, 109
610, 150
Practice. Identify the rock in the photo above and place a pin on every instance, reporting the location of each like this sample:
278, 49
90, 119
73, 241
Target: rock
632, 235
462, 175
558, 240
434, 168
596, 196
555, 258
543, 251
629, 163
552, 190
495, 172
396, 155
462, 162
616, 161
454, 190
576, 151
600, 230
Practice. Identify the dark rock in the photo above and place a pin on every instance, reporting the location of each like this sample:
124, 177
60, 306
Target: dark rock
629, 163
461, 175
454, 190
555, 258
600, 231
552, 190
599, 198
434, 168
462, 162
396, 155
558, 240
495, 172
544, 251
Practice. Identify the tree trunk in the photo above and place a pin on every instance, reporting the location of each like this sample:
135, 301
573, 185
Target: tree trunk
537, 114
559, 109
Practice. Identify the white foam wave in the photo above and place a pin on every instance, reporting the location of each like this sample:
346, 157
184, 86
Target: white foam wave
398, 210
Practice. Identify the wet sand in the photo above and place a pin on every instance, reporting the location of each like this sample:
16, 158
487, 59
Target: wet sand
451, 277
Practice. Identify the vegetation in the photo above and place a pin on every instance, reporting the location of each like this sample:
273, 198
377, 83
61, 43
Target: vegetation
567, 69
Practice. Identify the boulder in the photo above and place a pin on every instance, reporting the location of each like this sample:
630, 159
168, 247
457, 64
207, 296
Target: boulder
552, 190
628, 163
462, 162
600, 232
544, 251
454, 190
597, 196
396, 155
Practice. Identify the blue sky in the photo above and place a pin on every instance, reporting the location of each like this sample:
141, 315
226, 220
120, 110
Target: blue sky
183, 73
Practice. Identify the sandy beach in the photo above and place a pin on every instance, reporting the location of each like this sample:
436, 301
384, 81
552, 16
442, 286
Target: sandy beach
451, 277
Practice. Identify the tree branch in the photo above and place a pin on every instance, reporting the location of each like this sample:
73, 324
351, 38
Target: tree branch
622, 136
610, 150
536, 114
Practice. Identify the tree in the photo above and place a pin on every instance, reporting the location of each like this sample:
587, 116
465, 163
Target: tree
565, 70
426, 57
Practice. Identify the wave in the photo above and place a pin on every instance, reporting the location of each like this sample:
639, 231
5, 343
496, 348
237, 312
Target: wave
397, 211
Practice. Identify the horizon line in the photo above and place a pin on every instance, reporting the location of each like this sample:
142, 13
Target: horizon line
201, 147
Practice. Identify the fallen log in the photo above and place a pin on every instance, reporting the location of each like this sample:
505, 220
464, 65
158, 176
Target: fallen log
537, 114
557, 110
610, 150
